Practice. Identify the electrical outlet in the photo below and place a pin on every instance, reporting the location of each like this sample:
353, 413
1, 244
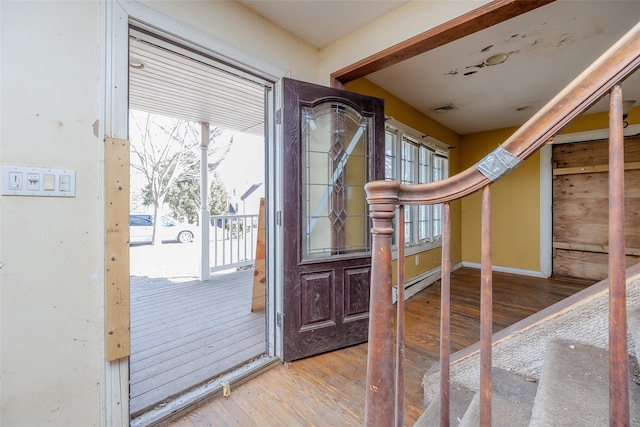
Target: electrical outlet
417, 259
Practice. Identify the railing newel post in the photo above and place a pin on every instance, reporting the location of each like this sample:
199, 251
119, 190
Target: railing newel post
380, 383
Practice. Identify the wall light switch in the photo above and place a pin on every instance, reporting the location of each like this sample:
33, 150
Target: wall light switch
49, 182
15, 180
65, 183
28, 181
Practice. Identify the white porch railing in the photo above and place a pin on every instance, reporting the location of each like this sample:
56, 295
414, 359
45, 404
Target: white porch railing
232, 241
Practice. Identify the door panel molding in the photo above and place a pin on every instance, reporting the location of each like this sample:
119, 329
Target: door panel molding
316, 288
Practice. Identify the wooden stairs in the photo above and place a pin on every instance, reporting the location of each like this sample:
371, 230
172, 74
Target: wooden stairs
548, 370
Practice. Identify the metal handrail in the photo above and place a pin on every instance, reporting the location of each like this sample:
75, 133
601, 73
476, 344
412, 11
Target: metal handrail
602, 77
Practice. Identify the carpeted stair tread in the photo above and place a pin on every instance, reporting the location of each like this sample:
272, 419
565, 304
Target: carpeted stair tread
512, 398
459, 399
633, 322
574, 387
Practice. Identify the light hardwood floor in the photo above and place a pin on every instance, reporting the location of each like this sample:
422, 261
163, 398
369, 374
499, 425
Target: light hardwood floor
328, 389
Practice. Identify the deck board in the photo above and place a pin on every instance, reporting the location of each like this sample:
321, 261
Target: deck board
184, 334
329, 389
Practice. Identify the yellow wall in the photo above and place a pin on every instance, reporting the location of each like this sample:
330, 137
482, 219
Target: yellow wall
598, 121
515, 199
403, 113
515, 208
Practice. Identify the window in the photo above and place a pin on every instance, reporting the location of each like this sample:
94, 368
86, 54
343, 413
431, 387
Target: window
412, 158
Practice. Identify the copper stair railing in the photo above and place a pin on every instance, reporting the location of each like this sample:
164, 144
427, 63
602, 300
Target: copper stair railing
385, 385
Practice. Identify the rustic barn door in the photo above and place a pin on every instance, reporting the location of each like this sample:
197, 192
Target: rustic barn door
333, 145
581, 208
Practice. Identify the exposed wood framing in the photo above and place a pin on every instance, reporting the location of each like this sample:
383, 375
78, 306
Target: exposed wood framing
259, 276
591, 169
478, 19
117, 313
580, 214
592, 248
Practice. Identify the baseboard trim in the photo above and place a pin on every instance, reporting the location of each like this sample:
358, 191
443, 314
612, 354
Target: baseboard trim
518, 271
421, 282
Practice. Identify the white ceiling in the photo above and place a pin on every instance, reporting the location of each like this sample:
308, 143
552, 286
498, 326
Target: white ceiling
547, 48
321, 22
175, 82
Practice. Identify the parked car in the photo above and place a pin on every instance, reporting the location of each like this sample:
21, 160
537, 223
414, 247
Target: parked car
141, 230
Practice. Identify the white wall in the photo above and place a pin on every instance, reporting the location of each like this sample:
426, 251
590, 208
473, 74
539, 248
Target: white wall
237, 25
49, 246
52, 278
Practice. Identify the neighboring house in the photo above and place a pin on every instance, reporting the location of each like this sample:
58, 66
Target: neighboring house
62, 75
250, 199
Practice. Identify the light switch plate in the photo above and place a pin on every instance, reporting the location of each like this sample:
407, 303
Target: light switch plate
43, 182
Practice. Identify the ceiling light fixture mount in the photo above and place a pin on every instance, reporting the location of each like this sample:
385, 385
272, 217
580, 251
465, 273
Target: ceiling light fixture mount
137, 64
496, 59
626, 109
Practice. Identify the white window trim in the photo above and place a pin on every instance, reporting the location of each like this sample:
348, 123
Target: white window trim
439, 148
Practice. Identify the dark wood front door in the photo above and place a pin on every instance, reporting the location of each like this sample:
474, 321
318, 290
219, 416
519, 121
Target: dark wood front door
333, 145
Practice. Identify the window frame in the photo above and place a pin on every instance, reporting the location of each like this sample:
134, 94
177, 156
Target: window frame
415, 240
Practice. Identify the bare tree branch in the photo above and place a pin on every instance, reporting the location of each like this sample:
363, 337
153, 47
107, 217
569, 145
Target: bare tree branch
167, 150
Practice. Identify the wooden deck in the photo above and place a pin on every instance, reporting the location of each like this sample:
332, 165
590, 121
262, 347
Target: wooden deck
329, 389
184, 334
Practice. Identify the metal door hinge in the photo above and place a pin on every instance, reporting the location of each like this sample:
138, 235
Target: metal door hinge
279, 320
279, 218
279, 116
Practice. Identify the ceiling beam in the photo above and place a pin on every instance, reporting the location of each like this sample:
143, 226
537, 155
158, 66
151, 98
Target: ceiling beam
478, 19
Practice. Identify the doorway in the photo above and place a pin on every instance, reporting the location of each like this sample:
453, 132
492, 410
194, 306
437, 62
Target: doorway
581, 210
198, 144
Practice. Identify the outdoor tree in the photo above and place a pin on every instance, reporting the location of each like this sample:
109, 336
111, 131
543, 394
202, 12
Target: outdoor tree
218, 197
166, 151
184, 198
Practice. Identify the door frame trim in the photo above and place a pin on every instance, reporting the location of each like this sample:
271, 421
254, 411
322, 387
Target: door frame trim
546, 215
546, 188
115, 19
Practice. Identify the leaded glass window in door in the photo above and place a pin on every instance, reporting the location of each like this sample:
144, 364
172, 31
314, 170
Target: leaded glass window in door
335, 218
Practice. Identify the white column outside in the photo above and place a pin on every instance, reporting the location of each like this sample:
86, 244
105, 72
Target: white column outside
205, 225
